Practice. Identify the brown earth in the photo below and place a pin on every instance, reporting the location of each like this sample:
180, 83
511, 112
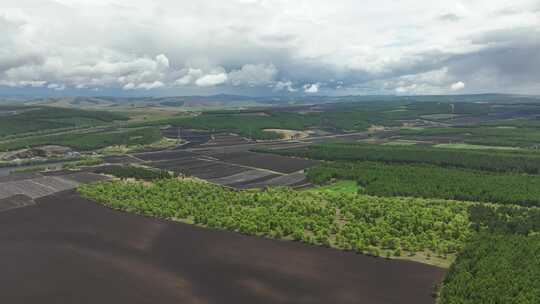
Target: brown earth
66, 249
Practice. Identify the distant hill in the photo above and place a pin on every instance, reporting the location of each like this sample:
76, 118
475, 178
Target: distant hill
224, 100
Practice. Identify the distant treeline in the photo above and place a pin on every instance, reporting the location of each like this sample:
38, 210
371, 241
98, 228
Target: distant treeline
490, 160
433, 182
37, 119
88, 141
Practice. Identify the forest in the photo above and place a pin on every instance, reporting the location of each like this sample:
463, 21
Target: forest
490, 160
380, 179
39, 119
366, 224
88, 141
495, 268
525, 135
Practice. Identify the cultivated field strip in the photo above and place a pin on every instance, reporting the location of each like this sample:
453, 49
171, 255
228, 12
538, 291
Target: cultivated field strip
220, 170
242, 177
290, 180
18, 177
37, 186
56, 183
121, 159
163, 155
261, 180
85, 177
225, 140
135, 259
272, 162
15, 201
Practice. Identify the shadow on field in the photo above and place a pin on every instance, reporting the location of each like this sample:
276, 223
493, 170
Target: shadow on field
67, 249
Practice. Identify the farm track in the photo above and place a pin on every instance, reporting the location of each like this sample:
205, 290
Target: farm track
66, 249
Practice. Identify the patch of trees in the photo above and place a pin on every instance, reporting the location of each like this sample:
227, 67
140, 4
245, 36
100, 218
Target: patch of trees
523, 136
36, 119
374, 225
433, 182
505, 219
495, 268
500, 161
88, 141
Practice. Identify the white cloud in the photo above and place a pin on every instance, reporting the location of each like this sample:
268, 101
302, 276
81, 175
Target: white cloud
407, 89
284, 85
260, 43
460, 85
312, 88
253, 75
56, 86
211, 80
162, 62
144, 85
189, 77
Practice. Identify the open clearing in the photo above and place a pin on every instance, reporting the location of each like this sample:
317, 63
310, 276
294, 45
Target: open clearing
66, 249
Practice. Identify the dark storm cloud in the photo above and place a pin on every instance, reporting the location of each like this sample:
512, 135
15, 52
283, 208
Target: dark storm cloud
449, 17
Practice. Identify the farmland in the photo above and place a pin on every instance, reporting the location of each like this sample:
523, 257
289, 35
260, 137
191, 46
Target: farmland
128, 258
406, 190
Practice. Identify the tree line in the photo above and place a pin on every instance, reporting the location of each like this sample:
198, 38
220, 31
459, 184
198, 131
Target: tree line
428, 181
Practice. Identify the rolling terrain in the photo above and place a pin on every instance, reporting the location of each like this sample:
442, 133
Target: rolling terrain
383, 200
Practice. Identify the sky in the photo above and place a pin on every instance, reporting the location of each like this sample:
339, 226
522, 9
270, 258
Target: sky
269, 47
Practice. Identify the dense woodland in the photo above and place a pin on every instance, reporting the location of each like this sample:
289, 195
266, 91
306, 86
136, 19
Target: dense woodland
378, 226
490, 160
88, 141
428, 181
495, 269
505, 219
39, 119
526, 135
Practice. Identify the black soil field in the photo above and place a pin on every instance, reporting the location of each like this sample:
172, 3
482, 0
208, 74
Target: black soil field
193, 137
163, 155
272, 162
67, 249
121, 159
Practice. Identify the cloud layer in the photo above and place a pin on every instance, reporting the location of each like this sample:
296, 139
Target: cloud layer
270, 46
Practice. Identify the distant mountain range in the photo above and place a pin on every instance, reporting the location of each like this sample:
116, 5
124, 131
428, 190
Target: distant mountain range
224, 100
